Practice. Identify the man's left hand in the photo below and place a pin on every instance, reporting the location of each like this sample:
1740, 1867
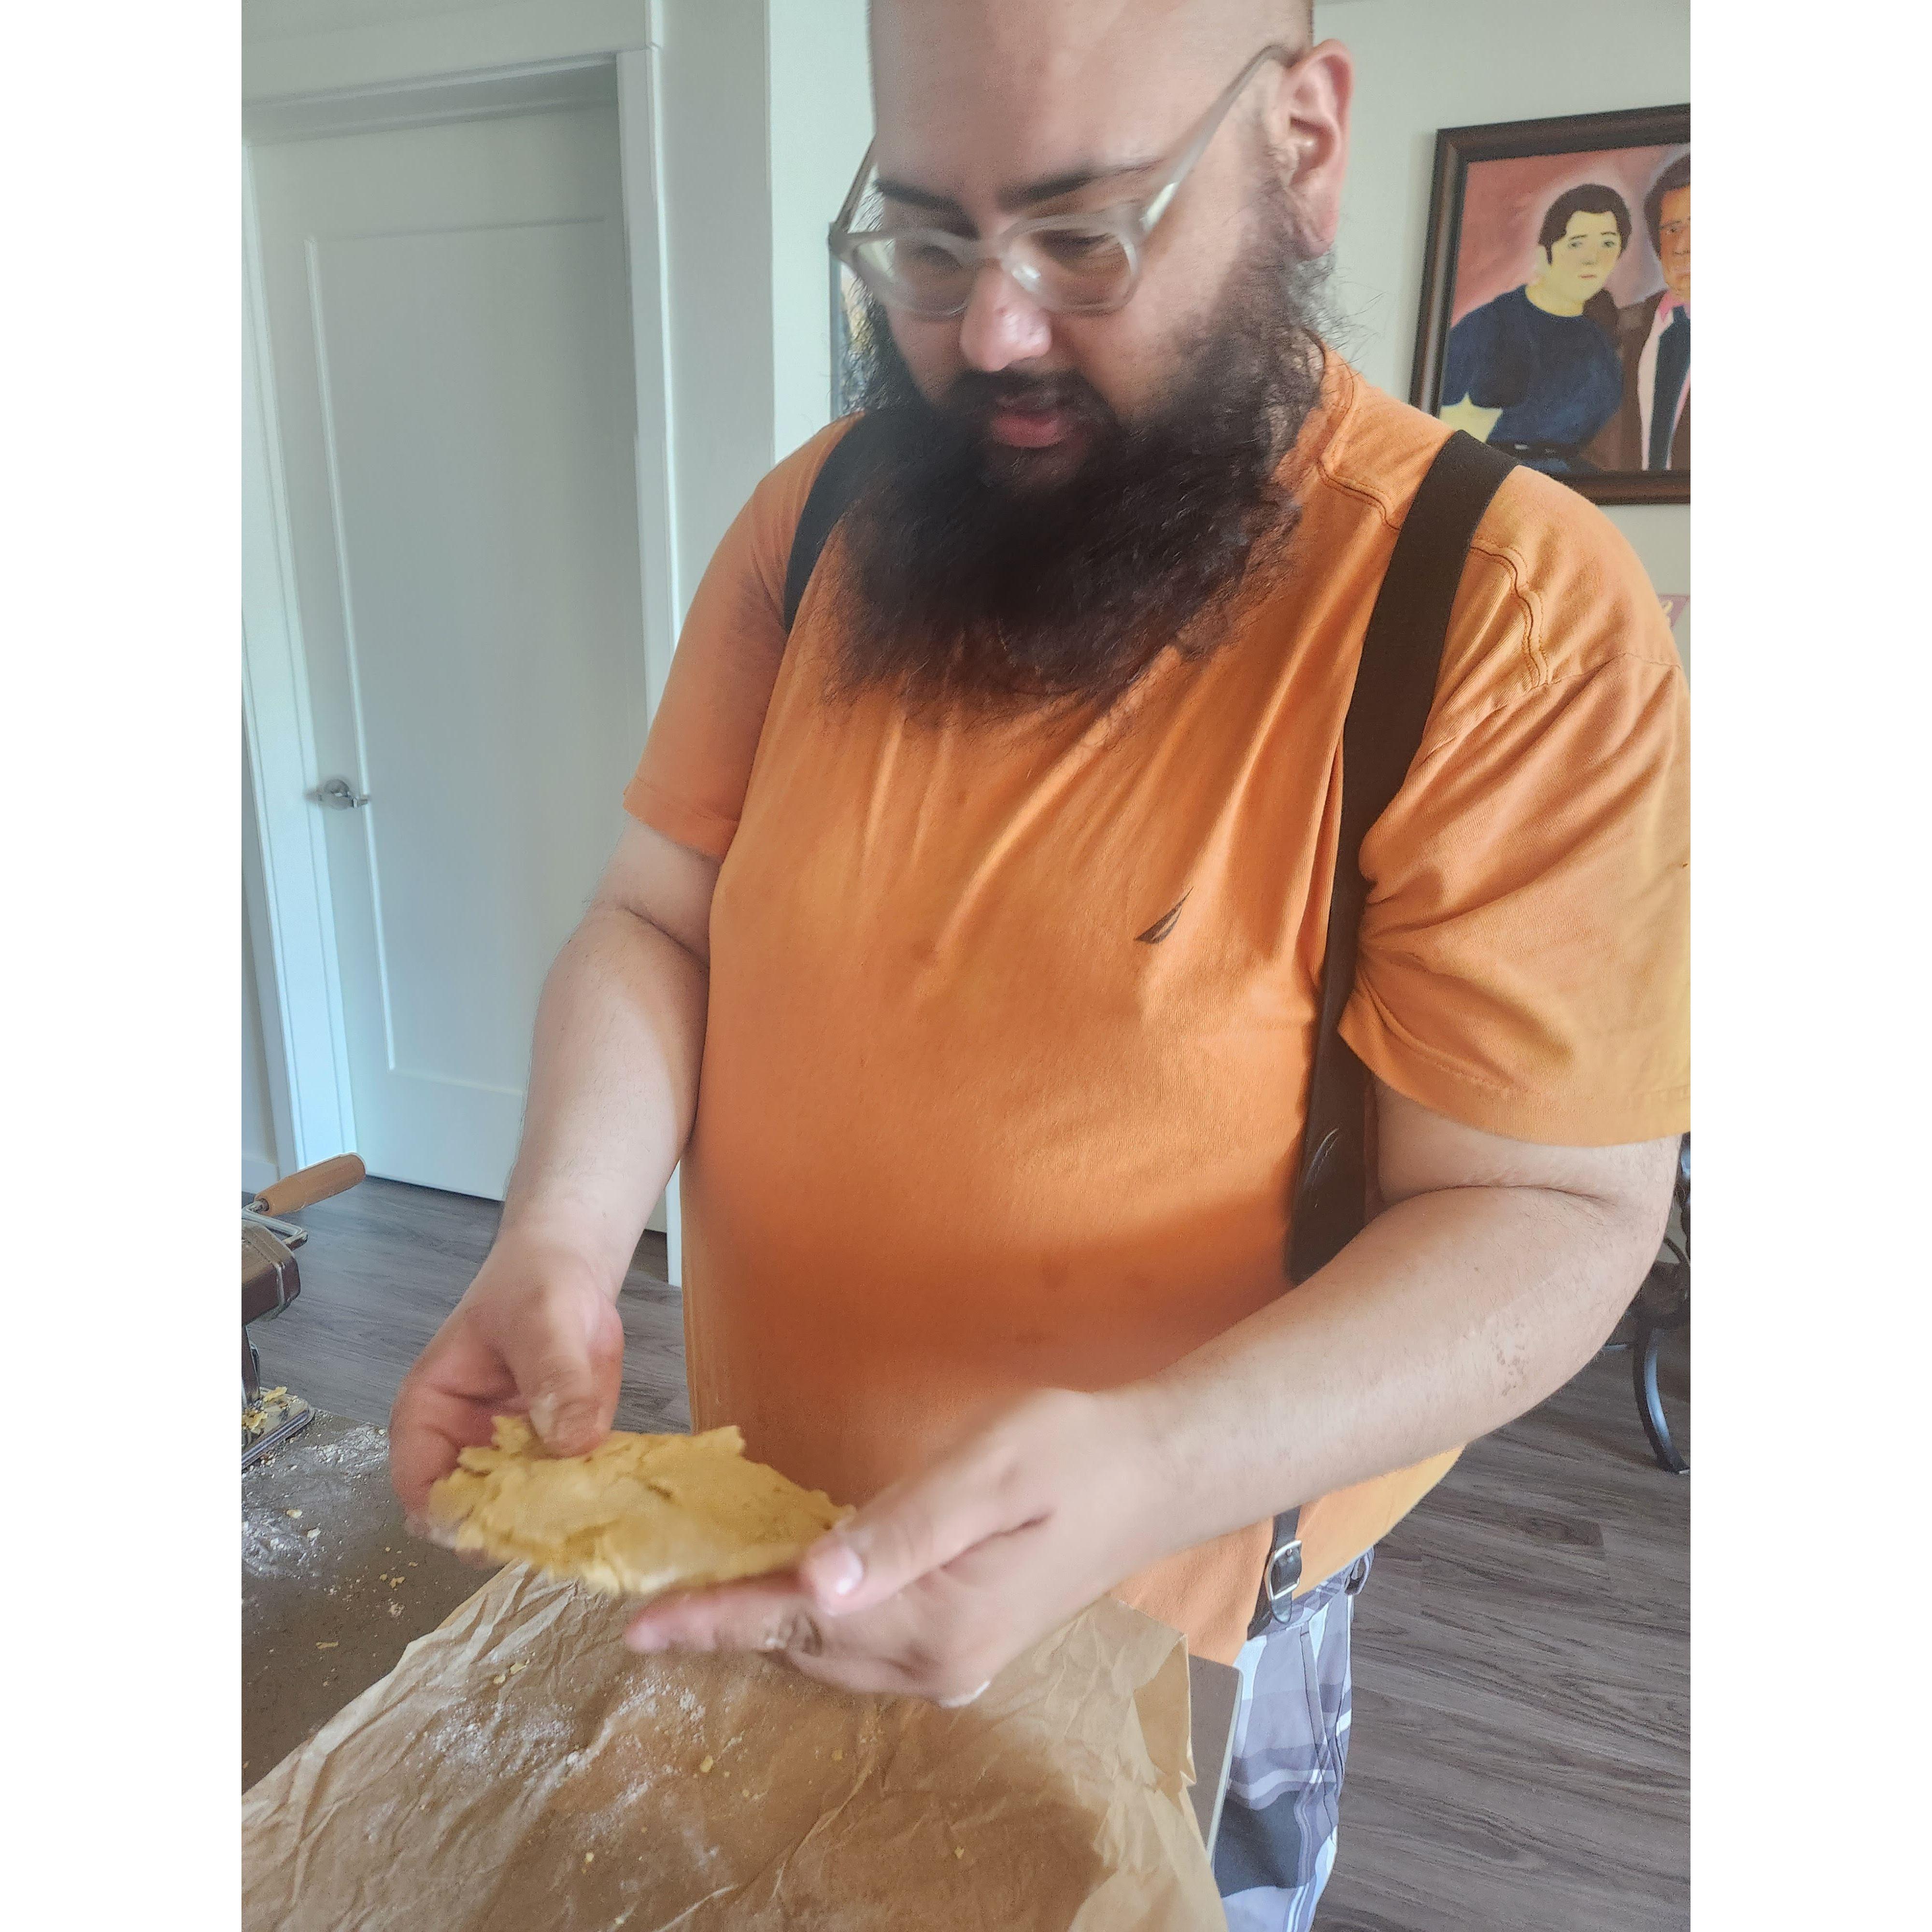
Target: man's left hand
940, 1582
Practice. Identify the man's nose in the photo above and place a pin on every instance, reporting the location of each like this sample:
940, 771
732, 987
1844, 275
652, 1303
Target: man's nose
1003, 324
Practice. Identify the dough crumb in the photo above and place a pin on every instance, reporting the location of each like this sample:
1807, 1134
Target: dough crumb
292, 1513
515, 1667
744, 1791
588, 1856
331, 1645
395, 1609
311, 1533
838, 1757
704, 1769
502, 1677
959, 1851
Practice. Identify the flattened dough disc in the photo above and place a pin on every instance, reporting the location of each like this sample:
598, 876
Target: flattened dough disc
638, 1515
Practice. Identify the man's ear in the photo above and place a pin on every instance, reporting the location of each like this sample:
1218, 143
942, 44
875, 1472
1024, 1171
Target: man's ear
1307, 124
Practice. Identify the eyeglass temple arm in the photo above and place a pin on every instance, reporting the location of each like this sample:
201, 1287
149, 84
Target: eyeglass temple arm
1156, 205
842, 221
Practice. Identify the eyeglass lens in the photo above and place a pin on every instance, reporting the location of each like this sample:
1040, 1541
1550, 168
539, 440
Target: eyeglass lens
1070, 268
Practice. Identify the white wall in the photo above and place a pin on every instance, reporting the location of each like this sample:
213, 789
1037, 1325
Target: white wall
717, 236
258, 1165
820, 119
767, 110
1423, 64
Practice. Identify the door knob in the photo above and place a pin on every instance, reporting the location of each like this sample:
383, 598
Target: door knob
339, 795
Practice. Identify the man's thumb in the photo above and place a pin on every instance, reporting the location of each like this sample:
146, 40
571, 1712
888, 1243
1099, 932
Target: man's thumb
574, 1390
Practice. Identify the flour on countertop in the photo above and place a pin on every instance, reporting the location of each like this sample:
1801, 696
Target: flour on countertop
294, 1501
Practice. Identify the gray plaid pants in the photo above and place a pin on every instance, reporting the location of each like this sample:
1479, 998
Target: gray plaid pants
1277, 1845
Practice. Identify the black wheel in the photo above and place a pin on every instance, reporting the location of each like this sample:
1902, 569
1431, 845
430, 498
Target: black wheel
1649, 1404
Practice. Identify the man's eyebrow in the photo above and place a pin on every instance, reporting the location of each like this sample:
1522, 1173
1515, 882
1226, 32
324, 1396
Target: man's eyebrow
1027, 194
918, 197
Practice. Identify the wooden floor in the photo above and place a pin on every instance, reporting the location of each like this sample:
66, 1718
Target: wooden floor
1521, 1742
385, 1264
1520, 1752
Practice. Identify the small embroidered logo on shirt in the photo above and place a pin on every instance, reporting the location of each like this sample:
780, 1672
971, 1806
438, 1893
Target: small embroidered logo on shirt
1163, 926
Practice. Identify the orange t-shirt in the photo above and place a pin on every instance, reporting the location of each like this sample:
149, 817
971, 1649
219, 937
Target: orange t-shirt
960, 1134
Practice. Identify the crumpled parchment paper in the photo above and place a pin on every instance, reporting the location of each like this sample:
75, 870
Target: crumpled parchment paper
520, 1768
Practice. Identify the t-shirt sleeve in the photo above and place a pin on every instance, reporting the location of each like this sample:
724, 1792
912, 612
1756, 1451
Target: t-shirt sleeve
1524, 965
1484, 363
690, 783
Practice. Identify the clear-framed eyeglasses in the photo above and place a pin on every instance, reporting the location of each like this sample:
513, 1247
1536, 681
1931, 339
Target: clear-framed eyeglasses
1084, 263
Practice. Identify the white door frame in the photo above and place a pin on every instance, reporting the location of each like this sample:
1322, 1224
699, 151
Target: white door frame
290, 904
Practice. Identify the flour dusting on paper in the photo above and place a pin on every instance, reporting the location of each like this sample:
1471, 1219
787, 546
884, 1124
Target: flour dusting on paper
436, 1802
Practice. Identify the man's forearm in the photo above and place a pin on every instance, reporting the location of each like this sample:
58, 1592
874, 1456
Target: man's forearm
1451, 1314
614, 1087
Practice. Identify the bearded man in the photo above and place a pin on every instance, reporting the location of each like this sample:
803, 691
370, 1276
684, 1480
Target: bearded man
967, 942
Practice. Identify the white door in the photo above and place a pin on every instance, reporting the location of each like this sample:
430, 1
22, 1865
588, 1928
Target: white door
448, 322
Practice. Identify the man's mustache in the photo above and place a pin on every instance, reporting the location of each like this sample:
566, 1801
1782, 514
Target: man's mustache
975, 398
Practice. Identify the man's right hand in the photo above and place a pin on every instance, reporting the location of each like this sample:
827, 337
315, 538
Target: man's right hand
613, 1090
538, 1333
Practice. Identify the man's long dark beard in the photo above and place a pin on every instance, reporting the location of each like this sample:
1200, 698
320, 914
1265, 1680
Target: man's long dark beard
971, 584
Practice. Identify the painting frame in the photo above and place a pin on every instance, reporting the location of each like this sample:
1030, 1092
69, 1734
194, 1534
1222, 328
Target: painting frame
1457, 150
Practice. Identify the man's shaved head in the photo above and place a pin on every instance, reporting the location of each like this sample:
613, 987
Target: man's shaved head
1088, 71
1219, 26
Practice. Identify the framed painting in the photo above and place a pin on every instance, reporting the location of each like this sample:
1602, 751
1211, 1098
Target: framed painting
1555, 319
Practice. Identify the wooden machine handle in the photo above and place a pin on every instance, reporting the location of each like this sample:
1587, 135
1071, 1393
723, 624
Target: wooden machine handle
308, 1185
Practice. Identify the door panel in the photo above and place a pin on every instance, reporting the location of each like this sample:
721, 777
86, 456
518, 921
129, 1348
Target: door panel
453, 378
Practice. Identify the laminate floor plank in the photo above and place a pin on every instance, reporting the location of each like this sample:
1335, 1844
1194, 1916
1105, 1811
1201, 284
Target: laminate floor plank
1572, 1710
1519, 1753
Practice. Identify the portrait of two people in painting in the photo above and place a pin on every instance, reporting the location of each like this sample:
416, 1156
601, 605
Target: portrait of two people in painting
1581, 367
